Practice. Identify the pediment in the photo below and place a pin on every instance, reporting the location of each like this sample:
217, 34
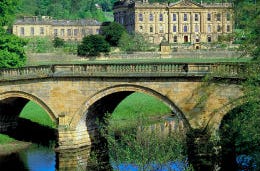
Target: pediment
185, 4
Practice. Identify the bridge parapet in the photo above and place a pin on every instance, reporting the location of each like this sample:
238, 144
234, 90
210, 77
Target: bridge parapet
228, 70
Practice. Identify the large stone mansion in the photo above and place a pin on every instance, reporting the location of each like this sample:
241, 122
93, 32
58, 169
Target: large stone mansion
182, 22
47, 27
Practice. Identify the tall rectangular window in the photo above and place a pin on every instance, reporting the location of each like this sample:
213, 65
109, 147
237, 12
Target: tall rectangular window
209, 28
196, 28
228, 16
185, 29
228, 28
209, 17
55, 31
151, 17
218, 28
161, 17
151, 29
76, 32
174, 17
175, 39
161, 29
69, 32
22, 31
140, 17
218, 17
32, 31
174, 28
196, 17
62, 32
41, 31
185, 17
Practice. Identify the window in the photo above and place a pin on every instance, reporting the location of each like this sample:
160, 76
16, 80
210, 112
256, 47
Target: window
209, 39
41, 31
196, 17
55, 32
22, 31
174, 17
83, 32
228, 16
161, 29
69, 32
209, 28
174, 28
97, 31
62, 32
185, 17
185, 29
151, 17
228, 28
175, 39
141, 28
218, 17
32, 31
197, 39
218, 28
196, 28
140, 17
209, 17
76, 31
151, 29
161, 17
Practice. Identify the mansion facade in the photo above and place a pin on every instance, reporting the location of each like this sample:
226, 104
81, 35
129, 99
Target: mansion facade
45, 26
182, 22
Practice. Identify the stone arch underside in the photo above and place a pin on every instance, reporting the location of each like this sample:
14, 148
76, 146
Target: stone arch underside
115, 95
12, 103
218, 115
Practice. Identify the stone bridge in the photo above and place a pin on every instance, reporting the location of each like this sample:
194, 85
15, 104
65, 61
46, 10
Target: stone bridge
75, 95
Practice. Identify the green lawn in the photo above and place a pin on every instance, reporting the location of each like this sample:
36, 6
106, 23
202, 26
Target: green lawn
35, 113
4, 139
138, 107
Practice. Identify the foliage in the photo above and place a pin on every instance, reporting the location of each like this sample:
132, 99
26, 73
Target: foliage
39, 45
7, 9
11, 50
92, 45
35, 113
133, 42
240, 130
113, 33
148, 150
66, 9
58, 42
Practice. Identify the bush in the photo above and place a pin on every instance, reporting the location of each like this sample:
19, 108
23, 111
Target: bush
93, 45
113, 33
58, 42
40, 45
11, 50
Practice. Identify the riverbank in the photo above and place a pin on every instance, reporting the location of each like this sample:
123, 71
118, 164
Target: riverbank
13, 147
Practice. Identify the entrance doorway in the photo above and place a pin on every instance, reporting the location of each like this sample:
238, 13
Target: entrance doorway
186, 39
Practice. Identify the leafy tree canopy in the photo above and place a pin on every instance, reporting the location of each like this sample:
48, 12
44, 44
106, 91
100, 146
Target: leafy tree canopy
113, 33
11, 50
93, 45
7, 9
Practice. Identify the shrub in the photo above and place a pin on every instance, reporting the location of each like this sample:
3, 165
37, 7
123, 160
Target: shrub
93, 45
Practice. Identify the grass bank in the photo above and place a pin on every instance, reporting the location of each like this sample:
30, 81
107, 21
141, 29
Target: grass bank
35, 113
136, 107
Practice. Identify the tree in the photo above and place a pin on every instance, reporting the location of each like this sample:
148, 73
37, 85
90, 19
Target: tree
113, 33
92, 45
7, 9
11, 47
58, 42
11, 50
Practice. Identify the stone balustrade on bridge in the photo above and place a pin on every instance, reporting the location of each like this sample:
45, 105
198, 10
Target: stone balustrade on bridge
228, 70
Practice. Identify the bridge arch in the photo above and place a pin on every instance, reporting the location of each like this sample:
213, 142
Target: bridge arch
80, 119
214, 123
28, 97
